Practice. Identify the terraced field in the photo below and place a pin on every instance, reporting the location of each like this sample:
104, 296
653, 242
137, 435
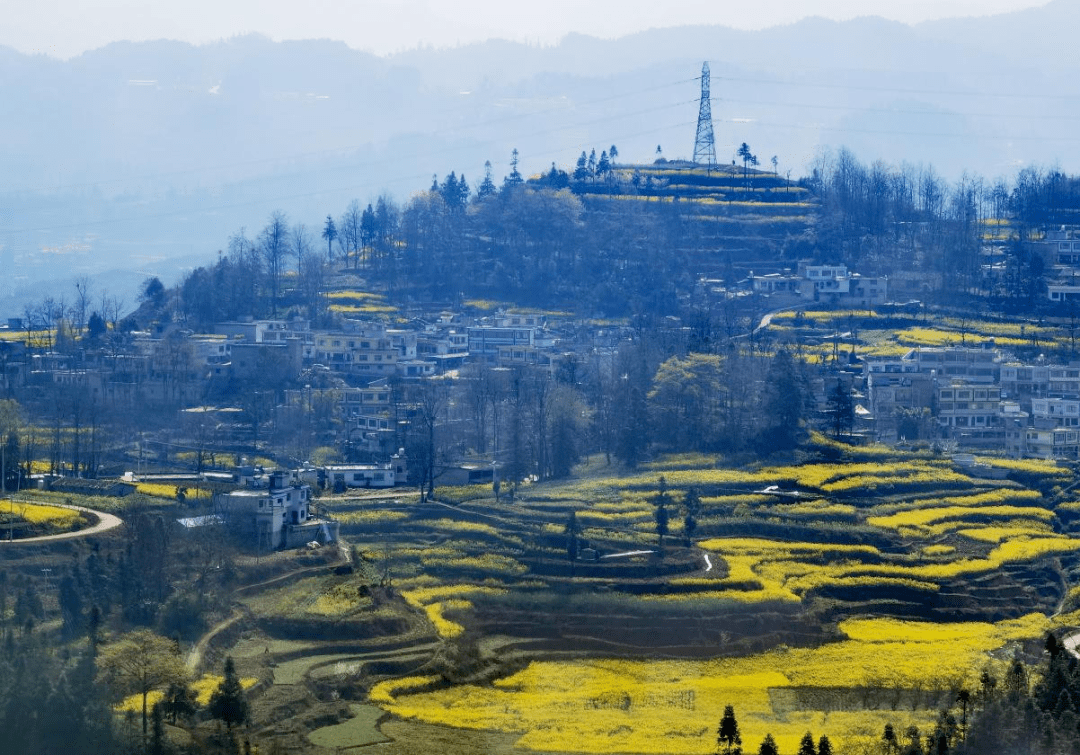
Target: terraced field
855, 588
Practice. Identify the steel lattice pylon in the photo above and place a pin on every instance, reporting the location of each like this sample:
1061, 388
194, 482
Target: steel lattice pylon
705, 143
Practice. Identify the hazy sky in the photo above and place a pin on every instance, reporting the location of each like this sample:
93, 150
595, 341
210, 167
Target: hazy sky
63, 28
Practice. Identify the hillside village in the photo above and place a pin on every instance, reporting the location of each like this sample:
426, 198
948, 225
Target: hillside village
518, 412
361, 381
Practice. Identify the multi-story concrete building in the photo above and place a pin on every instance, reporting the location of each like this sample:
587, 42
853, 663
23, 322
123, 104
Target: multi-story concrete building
485, 341
1056, 412
370, 352
1026, 382
278, 516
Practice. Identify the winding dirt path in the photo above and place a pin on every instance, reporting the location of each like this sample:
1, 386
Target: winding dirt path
105, 523
195, 654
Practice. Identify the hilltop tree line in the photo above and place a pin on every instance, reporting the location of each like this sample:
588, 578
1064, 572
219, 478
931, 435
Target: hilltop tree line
542, 241
884, 219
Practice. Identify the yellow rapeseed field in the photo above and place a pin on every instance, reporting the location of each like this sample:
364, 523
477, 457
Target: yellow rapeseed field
203, 687
434, 600
38, 513
918, 521
160, 490
617, 706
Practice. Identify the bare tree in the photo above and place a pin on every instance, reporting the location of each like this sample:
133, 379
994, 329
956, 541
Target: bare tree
81, 307
301, 244
274, 245
350, 231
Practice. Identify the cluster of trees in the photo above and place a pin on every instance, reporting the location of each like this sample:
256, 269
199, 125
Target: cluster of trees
590, 167
1027, 718
62, 701
627, 405
729, 739
1016, 717
531, 241
881, 218
53, 703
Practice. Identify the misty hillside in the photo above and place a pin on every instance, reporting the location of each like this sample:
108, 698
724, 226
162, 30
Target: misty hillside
142, 158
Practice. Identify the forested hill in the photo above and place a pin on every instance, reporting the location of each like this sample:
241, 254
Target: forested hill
616, 239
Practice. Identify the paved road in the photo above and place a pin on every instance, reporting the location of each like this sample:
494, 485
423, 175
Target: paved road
105, 523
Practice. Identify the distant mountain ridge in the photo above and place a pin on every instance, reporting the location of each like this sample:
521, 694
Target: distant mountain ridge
151, 153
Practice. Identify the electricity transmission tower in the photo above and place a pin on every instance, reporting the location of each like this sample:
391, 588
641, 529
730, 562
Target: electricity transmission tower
704, 143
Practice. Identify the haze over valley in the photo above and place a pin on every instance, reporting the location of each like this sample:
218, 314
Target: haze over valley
140, 159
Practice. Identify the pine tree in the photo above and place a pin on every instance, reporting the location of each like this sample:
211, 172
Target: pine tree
888, 736
824, 746
841, 409
487, 186
329, 233
514, 179
179, 702
581, 170
728, 739
692, 504
806, 746
768, 746
229, 703
661, 513
71, 607
572, 530
603, 167
157, 731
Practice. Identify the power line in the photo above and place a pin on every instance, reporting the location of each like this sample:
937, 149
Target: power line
902, 111
902, 90
307, 195
329, 151
936, 135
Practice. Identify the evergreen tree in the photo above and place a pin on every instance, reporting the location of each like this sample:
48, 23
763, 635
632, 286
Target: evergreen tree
572, 530
768, 746
179, 702
1016, 681
660, 501
581, 170
692, 505
806, 745
369, 228
95, 326
841, 409
728, 739
157, 731
603, 167
514, 179
229, 703
824, 746
487, 186
330, 234
71, 606
888, 738
784, 402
